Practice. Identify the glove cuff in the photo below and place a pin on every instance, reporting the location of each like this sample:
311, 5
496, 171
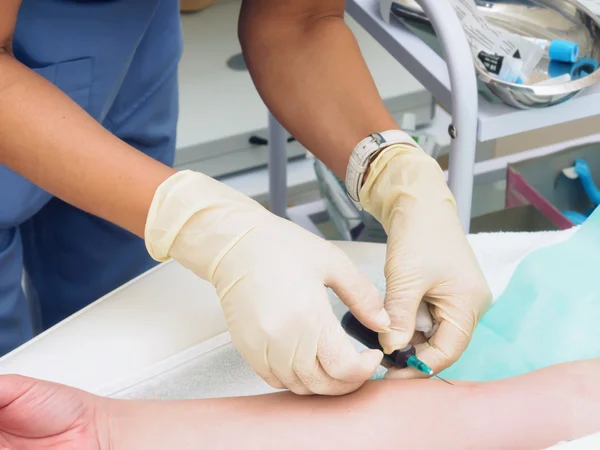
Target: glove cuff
403, 174
166, 215
191, 197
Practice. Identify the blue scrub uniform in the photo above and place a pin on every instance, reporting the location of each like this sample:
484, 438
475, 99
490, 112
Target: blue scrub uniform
118, 60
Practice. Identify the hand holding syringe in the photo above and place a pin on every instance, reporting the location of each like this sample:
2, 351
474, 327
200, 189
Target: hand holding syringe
401, 359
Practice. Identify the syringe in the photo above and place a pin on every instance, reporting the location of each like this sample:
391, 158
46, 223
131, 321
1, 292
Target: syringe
402, 359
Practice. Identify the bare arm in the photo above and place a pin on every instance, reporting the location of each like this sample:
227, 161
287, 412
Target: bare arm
8, 18
535, 410
308, 68
48, 139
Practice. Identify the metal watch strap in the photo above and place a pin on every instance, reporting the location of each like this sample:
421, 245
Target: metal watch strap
364, 153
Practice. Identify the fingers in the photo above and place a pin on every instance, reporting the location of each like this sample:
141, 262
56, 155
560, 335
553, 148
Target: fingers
259, 365
357, 292
325, 363
402, 308
276, 370
445, 346
291, 381
319, 382
283, 352
271, 379
441, 351
340, 359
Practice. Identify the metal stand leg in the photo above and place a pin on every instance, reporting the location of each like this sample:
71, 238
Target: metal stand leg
277, 167
463, 82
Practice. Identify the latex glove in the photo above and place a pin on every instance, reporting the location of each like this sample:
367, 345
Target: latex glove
428, 258
271, 276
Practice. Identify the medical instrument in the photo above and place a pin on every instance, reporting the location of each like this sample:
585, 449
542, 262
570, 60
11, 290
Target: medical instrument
401, 359
557, 49
569, 21
565, 78
504, 67
583, 68
559, 70
581, 170
575, 217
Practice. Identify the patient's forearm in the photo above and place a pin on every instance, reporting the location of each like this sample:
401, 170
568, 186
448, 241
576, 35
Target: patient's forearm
532, 411
382, 414
535, 410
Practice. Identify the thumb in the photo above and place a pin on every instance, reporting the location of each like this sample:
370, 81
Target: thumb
357, 292
442, 350
402, 308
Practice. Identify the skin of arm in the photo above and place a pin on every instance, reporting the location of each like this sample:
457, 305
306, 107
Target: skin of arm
535, 410
50, 140
309, 70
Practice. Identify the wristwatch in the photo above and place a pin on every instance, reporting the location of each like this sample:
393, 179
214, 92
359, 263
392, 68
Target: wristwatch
365, 152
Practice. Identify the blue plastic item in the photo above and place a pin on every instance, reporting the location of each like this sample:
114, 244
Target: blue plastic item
583, 68
585, 175
564, 51
575, 217
547, 315
557, 69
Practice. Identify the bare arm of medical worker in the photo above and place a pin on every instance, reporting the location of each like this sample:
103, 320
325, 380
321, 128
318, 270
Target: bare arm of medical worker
535, 410
309, 70
308, 67
271, 275
47, 138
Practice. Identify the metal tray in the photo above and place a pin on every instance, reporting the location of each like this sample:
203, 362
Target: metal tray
545, 19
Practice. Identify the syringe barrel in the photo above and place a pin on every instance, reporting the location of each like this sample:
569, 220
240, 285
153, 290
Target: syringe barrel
370, 339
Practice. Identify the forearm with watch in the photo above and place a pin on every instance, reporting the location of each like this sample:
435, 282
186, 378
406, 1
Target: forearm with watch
430, 268
309, 70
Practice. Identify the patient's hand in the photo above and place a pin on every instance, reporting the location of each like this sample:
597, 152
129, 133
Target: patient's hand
37, 414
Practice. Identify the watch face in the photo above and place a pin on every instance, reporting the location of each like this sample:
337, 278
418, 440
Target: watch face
378, 138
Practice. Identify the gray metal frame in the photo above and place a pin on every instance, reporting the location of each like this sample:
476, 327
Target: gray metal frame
464, 112
454, 86
464, 103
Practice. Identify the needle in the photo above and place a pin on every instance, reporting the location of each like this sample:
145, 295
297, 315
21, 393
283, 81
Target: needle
405, 357
445, 381
415, 362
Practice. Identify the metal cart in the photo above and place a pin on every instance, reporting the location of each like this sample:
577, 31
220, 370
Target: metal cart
453, 83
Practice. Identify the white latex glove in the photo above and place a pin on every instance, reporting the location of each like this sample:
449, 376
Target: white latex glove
428, 258
272, 277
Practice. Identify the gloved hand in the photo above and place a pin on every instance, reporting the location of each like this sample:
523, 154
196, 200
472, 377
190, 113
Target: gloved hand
272, 277
428, 258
